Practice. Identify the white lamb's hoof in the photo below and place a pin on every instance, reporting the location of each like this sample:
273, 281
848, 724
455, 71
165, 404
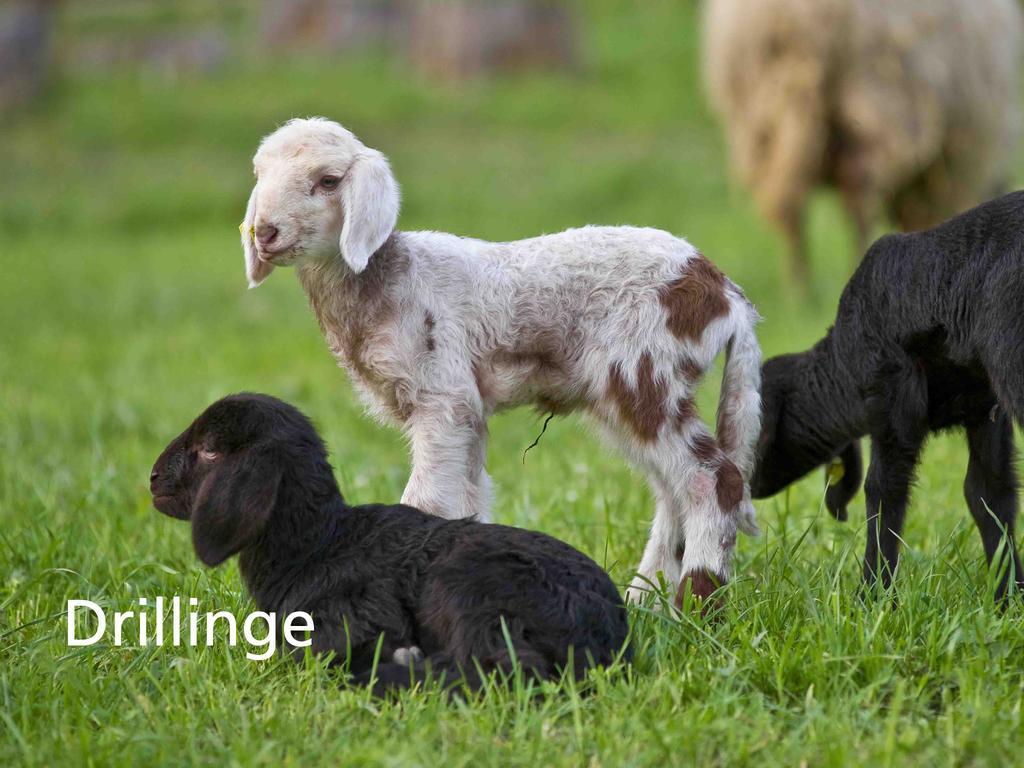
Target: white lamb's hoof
638, 591
406, 656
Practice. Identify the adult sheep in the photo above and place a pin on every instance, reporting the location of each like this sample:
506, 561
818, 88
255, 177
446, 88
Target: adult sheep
909, 108
438, 332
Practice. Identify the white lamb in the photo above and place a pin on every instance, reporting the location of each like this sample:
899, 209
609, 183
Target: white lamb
438, 332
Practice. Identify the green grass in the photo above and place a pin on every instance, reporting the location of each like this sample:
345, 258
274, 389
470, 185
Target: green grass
123, 312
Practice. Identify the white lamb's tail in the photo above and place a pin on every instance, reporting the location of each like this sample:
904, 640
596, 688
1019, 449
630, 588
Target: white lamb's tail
739, 404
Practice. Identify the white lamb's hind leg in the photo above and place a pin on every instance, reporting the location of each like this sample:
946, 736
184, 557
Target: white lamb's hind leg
698, 475
714, 490
710, 539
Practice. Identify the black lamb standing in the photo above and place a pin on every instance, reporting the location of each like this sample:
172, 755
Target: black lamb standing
252, 476
929, 335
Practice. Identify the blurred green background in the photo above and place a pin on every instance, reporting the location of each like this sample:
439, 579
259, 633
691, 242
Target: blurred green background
124, 311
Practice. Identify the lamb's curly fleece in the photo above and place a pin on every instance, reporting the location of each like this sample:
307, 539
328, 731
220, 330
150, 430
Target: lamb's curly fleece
910, 108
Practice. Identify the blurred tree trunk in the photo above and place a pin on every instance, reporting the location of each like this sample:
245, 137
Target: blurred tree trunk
461, 39
332, 25
448, 40
25, 49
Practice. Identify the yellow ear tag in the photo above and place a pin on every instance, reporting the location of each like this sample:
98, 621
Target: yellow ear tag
241, 228
836, 470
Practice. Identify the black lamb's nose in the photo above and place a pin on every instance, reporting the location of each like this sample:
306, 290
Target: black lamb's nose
153, 476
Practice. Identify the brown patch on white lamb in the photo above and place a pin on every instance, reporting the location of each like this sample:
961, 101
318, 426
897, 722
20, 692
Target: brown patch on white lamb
728, 485
643, 408
688, 369
728, 480
686, 411
725, 432
728, 406
428, 327
695, 299
705, 449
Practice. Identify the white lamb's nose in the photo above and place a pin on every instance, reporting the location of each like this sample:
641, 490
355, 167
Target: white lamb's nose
265, 234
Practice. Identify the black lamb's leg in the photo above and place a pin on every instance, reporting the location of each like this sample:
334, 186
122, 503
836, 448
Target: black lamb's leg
455, 678
391, 677
991, 492
887, 489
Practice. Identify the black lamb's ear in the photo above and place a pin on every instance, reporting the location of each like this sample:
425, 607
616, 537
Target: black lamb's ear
843, 476
234, 504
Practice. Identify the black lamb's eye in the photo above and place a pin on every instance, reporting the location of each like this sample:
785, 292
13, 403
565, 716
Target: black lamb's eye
330, 182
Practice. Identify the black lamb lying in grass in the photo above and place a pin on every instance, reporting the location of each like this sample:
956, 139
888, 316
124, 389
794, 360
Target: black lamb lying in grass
252, 476
929, 335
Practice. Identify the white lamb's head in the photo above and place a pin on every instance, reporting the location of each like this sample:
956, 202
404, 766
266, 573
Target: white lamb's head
319, 192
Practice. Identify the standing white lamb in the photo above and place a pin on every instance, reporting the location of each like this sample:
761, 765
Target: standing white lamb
438, 332
910, 108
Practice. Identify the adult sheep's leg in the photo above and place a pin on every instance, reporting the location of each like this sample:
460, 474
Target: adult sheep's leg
861, 220
991, 492
887, 489
791, 220
859, 193
448, 440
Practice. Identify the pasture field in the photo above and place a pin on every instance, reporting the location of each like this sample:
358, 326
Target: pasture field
124, 311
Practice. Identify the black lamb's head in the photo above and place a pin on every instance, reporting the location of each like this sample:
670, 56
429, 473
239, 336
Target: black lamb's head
241, 459
792, 444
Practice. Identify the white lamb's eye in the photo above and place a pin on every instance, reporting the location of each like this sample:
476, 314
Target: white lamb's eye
206, 455
330, 182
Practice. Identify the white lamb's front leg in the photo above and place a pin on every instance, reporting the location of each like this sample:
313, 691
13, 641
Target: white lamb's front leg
448, 479
484, 496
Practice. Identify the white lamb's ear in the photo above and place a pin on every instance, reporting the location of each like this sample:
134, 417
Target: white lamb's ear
369, 202
255, 270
